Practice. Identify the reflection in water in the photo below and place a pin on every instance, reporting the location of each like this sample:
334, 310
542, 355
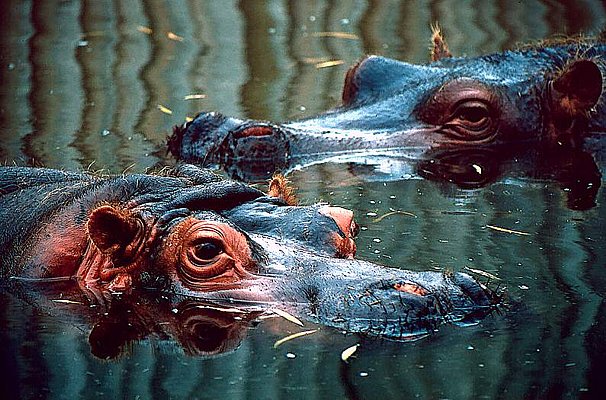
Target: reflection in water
574, 169
198, 328
81, 83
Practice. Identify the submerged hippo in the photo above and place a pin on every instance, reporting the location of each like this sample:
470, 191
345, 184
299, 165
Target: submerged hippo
190, 233
549, 94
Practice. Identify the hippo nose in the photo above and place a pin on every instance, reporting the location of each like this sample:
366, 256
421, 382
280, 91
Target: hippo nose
349, 229
474, 290
200, 138
344, 219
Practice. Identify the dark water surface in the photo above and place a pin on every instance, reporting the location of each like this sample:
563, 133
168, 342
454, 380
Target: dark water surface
83, 85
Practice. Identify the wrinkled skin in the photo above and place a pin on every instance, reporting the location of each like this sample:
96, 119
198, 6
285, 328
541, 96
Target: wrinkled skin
193, 234
545, 96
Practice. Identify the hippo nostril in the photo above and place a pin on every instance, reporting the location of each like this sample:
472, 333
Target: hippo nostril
472, 289
257, 130
412, 288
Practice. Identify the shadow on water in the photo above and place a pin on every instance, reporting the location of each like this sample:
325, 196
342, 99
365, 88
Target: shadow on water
102, 84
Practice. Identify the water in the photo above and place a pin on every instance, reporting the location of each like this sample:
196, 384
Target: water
88, 85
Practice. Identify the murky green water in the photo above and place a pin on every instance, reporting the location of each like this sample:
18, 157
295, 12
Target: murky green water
81, 86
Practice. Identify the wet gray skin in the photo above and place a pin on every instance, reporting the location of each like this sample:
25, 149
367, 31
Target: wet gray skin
539, 94
191, 233
350, 295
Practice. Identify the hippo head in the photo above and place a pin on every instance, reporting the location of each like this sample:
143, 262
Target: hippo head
542, 93
198, 236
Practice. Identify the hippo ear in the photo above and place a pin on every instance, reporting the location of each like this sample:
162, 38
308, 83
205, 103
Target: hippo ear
112, 230
278, 187
439, 48
576, 91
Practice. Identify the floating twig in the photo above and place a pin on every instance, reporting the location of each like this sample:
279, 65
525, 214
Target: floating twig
164, 109
174, 36
294, 336
337, 35
145, 29
194, 96
287, 316
332, 63
389, 214
498, 228
65, 301
483, 273
348, 352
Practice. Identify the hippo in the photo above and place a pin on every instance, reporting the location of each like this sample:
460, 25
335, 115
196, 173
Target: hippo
190, 233
546, 95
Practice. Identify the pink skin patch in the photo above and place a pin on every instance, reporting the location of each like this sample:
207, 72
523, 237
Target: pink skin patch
256, 131
410, 288
344, 219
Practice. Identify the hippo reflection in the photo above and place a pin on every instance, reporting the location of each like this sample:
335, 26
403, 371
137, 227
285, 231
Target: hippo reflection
544, 96
190, 233
195, 327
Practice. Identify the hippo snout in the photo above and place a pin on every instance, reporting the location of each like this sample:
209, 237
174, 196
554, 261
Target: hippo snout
357, 296
212, 138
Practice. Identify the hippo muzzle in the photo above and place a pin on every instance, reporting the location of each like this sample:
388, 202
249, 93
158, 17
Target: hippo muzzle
357, 296
213, 139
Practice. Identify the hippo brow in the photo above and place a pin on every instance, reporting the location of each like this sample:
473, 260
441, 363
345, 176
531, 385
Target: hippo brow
215, 196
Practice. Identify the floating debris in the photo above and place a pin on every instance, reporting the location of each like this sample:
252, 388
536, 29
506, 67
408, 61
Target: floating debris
145, 29
389, 214
294, 336
336, 35
348, 352
222, 309
314, 60
165, 110
174, 36
194, 96
332, 63
287, 316
483, 273
65, 301
498, 228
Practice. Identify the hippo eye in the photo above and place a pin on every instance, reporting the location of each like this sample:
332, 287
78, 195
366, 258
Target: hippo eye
470, 120
207, 250
474, 114
205, 258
